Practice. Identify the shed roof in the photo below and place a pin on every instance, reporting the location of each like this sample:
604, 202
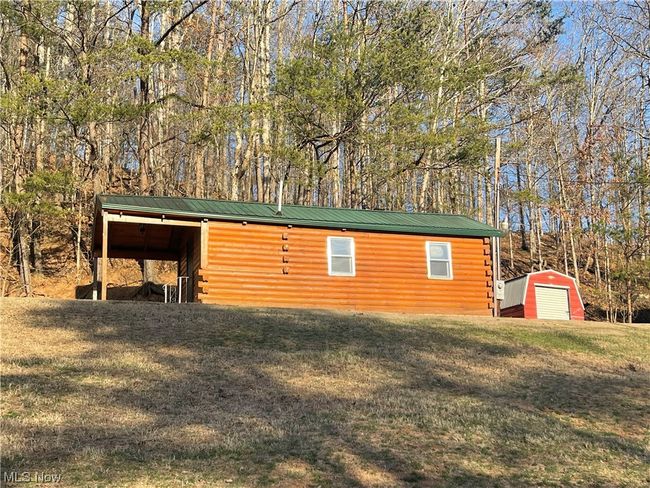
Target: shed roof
373, 220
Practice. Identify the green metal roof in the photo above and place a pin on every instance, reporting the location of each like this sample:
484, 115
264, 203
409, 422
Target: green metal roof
337, 218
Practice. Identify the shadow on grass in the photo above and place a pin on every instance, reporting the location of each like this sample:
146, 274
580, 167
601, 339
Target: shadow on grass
148, 292
317, 398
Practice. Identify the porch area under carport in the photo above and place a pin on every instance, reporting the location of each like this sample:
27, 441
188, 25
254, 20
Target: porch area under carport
123, 235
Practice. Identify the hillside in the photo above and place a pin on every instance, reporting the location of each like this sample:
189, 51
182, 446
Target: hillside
593, 293
143, 394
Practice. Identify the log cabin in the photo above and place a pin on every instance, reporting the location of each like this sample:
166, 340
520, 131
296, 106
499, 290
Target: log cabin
258, 254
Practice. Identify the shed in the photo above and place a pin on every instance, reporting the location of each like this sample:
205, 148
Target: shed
543, 295
253, 254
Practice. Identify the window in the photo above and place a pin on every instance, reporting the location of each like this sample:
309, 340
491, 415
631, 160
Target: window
439, 260
340, 256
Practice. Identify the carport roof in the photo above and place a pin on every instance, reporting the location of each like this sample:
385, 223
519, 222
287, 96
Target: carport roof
337, 218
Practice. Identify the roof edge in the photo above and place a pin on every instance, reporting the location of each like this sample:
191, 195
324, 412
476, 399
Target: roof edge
101, 195
449, 231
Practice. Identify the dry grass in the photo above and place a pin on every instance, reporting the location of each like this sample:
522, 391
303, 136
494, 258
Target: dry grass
123, 394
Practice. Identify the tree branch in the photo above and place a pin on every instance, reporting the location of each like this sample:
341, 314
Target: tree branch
179, 22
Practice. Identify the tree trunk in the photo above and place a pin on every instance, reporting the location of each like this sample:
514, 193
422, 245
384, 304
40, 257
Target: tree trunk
22, 223
148, 269
522, 226
264, 88
200, 153
144, 126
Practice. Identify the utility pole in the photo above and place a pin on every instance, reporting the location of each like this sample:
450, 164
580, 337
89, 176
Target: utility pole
496, 247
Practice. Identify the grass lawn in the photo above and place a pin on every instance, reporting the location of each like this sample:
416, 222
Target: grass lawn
143, 394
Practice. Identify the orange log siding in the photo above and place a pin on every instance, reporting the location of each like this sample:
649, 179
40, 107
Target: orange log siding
273, 265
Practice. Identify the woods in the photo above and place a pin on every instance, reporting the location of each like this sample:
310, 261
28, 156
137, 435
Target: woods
361, 104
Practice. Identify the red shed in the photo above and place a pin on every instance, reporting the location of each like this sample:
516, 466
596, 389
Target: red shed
543, 295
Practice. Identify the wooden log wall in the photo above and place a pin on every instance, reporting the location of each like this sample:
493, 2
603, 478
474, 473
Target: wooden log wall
267, 265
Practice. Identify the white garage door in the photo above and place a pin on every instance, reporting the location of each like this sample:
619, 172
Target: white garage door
552, 303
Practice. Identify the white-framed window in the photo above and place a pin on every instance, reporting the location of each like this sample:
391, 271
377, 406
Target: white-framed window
340, 256
439, 260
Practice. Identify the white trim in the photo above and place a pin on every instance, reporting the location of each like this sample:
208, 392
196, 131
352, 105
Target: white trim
330, 256
451, 268
551, 271
205, 238
556, 272
544, 285
135, 219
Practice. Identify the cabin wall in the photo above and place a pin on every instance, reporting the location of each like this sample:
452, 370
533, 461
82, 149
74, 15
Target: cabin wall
550, 278
272, 265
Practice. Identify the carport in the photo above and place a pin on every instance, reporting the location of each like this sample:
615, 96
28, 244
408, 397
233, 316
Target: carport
136, 235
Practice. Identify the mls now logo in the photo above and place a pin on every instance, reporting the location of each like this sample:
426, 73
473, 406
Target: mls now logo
30, 477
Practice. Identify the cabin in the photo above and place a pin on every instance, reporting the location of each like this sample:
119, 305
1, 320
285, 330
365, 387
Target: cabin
543, 295
257, 254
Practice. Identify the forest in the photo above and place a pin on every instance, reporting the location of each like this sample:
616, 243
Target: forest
531, 116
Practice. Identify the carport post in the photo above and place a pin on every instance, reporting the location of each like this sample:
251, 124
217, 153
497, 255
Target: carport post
205, 234
104, 254
95, 271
